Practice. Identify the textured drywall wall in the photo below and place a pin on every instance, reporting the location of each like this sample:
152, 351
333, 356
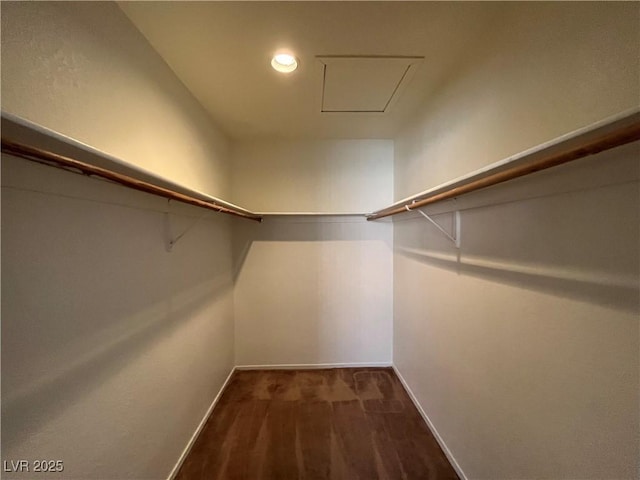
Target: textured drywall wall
112, 348
83, 69
544, 70
313, 176
523, 346
313, 291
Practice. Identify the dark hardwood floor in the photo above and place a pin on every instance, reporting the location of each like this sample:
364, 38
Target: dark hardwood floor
346, 423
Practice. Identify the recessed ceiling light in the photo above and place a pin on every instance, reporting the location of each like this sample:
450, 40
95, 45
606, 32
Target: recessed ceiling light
284, 62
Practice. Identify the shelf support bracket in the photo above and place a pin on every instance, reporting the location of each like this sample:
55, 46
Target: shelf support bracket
455, 238
170, 240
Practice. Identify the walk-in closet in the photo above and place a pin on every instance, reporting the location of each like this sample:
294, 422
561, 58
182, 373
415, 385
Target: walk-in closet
320, 240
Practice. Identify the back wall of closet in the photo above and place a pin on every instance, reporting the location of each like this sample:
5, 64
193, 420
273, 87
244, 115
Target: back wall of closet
313, 290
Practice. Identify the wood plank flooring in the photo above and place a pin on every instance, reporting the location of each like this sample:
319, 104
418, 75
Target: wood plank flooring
343, 423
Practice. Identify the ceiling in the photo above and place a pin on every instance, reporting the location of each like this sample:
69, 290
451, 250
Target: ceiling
222, 53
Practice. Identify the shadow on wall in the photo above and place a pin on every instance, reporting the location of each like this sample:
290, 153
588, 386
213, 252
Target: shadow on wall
301, 229
581, 244
621, 294
101, 293
49, 396
313, 291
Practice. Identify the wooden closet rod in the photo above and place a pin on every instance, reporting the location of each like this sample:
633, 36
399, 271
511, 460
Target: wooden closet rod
589, 142
49, 158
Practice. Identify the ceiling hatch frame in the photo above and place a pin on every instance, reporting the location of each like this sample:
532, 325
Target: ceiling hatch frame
409, 63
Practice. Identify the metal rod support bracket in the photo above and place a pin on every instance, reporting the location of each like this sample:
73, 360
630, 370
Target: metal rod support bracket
455, 238
170, 240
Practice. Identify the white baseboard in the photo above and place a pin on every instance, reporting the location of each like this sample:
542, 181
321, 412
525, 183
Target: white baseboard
311, 366
427, 420
193, 438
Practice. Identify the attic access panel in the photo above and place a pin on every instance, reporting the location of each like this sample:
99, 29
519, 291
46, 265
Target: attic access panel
364, 84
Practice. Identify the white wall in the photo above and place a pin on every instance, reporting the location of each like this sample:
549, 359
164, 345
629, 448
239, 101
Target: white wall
523, 350
523, 347
313, 290
545, 70
112, 348
312, 175
84, 70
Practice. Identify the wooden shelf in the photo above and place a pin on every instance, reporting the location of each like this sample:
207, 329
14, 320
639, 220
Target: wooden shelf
604, 135
33, 142
28, 140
